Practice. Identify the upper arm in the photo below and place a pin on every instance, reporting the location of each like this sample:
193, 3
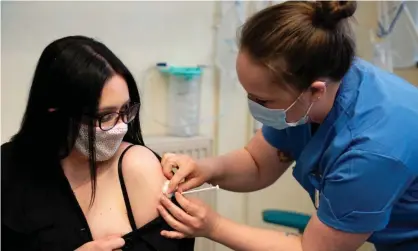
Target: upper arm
12, 240
13, 222
144, 180
13, 196
141, 166
356, 200
269, 157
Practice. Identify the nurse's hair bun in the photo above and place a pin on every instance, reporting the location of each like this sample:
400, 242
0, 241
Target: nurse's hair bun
328, 14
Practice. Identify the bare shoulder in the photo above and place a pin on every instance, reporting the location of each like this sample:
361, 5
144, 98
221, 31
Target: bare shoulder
144, 179
142, 169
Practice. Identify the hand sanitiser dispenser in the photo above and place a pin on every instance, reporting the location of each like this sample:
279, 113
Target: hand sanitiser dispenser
183, 99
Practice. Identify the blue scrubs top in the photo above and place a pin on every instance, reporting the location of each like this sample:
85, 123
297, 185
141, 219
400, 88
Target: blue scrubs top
363, 159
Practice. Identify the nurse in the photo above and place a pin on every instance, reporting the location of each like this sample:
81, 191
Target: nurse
352, 129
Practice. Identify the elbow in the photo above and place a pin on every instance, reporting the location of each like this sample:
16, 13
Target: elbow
260, 179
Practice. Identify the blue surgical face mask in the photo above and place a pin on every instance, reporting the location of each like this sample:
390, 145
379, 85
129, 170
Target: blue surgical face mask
275, 118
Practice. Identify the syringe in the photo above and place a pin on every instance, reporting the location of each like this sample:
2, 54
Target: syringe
165, 188
201, 189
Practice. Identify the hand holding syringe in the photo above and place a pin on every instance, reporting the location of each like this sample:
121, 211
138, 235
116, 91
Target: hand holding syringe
165, 188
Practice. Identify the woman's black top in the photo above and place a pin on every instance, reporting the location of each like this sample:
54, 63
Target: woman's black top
40, 211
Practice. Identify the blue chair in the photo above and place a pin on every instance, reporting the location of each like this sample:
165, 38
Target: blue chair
287, 219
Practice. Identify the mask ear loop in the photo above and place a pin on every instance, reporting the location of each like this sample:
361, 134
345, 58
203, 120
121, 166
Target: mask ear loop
294, 102
309, 109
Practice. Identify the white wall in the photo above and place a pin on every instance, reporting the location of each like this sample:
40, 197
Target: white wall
140, 33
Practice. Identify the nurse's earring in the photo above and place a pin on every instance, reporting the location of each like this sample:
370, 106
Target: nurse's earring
315, 97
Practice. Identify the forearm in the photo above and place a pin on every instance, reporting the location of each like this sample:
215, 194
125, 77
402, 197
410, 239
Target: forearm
235, 171
245, 238
252, 168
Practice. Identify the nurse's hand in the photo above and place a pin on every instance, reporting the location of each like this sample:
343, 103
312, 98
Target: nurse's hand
193, 219
188, 175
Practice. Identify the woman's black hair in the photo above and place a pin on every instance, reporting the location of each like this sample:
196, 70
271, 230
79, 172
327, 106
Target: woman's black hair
67, 86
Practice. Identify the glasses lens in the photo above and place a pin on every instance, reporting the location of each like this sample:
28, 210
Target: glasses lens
130, 113
108, 121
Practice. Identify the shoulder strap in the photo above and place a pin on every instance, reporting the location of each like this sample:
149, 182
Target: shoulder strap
156, 154
124, 191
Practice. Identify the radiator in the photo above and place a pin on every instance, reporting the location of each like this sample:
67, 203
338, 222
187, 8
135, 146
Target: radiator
197, 147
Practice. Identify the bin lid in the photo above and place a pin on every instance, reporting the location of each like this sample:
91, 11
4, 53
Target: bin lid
187, 72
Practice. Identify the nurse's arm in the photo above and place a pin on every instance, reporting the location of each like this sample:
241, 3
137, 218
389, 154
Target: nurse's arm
357, 198
317, 237
251, 168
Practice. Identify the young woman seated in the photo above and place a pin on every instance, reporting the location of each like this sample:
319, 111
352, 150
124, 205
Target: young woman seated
77, 175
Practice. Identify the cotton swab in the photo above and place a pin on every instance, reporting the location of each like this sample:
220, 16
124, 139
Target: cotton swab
165, 188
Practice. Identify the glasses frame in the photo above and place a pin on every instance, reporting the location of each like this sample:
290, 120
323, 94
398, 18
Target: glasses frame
119, 116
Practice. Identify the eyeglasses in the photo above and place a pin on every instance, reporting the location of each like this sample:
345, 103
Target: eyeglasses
109, 120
